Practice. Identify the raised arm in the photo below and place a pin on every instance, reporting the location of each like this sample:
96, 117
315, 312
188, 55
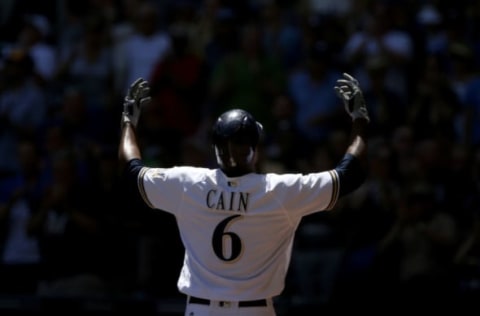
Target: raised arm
137, 97
348, 89
128, 148
351, 169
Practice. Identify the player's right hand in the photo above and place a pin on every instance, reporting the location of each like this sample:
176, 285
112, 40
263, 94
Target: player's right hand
348, 89
137, 97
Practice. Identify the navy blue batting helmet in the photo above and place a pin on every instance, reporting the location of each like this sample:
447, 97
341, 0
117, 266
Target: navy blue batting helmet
235, 136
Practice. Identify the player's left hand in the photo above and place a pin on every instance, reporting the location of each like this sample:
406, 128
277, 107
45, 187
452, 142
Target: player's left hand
348, 89
137, 97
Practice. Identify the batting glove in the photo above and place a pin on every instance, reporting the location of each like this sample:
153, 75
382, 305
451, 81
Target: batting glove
137, 97
348, 90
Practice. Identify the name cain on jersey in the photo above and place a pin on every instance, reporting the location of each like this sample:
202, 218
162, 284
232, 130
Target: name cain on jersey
227, 201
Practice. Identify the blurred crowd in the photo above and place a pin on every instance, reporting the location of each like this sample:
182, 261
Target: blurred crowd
410, 234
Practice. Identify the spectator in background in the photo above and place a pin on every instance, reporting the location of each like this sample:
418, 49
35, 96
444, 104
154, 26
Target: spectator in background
281, 145
388, 108
328, 30
317, 112
281, 36
364, 219
248, 78
141, 51
218, 35
70, 27
433, 36
423, 242
207, 27
178, 96
435, 106
68, 232
83, 129
88, 67
21, 260
33, 40
124, 25
379, 38
117, 230
23, 106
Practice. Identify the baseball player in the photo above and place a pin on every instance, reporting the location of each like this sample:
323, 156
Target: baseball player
237, 225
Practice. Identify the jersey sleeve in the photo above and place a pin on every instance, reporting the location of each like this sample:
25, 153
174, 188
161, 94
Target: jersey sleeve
306, 194
160, 188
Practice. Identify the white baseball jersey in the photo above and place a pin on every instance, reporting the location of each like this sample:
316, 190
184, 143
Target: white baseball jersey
237, 232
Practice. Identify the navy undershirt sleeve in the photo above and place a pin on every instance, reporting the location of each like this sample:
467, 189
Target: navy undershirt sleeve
132, 169
350, 174
130, 180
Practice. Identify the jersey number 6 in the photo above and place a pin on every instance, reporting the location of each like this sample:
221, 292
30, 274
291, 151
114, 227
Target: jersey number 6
221, 235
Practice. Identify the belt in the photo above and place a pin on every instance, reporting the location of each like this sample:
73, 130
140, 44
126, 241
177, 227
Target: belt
203, 301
